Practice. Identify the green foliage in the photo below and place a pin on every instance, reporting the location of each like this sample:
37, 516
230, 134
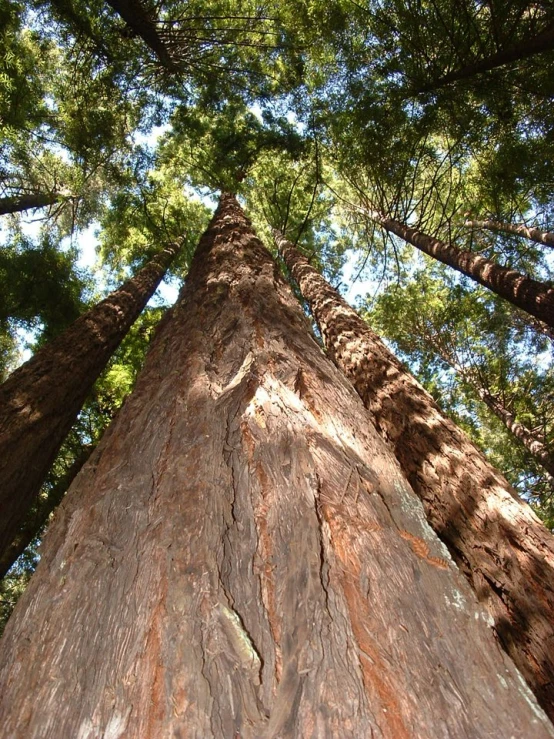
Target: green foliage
41, 291
24, 57
461, 341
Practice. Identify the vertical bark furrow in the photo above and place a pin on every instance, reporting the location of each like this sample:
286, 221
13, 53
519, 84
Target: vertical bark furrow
505, 551
215, 539
40, 400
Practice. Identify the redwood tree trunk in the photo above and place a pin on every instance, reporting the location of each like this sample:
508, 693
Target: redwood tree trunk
27, 202
532, 296
503, 548
40, 401
242, 556
543, 41
518, 229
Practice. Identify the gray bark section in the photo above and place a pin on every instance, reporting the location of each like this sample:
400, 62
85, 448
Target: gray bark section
504, 550
40, 401
242, 557
532, 296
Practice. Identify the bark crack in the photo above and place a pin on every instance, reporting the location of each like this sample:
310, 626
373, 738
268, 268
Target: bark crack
323, 563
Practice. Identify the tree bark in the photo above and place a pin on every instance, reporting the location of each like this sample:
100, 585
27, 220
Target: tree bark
40, 401
27, 202
529, 440
532, 296
37, 518
499, 543
543, 41
242, 556
518, 229
142, 24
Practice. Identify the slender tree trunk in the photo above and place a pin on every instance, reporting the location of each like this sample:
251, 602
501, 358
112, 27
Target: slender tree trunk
534, 323
544, 41
141, 22
242, 556
40, 401
519, 229
38, 517
27, 202
504, 550
521, 432
532, 296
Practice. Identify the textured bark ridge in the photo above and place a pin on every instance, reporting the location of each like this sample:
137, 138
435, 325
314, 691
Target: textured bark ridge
535, 297
39, 402
518, 229
242, 557
503, 548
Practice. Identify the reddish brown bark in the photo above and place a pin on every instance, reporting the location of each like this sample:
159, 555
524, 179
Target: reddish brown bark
518, 229
27, 202
39, 402
543, 41
532, 296
503, 548
242, 555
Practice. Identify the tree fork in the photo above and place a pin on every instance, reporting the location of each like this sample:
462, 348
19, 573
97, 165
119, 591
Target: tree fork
498, 542
532, 296
40, 400
242, 556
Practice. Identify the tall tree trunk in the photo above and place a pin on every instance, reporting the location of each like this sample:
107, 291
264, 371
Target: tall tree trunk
518, 229
242, 556
38, 516
40, 401
142, 23
529, 440
532, 296
523, 434
504, 550
27, 202
543, 41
